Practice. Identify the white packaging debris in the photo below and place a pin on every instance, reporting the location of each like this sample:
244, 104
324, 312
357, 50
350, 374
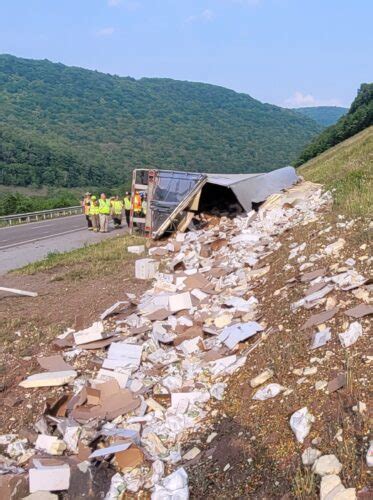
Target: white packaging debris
120, 376
174, 345
267, 392
145, 269
71, 437
217, 390
190, 397
6, 439
173, 487
138, 249
49, 379
90, 334
49, 478
351, 335
327, 464
261, 378
320, 338
300, 423
370, 455
232, 335
17, 448
179, 301
50, 444
123, 355
192, 453
111, 309
335, 247
310, 455
117, 487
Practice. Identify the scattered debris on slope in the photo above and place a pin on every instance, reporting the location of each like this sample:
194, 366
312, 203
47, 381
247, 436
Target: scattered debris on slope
145, 399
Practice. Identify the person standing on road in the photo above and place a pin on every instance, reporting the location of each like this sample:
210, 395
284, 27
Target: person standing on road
104, 212
137, 204
144, 205
116, 211
94, 214
86, 205
127, 207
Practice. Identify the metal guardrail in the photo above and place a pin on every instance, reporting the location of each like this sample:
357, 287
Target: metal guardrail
36, 216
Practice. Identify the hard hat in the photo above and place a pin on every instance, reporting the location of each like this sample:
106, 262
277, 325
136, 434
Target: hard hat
94, 198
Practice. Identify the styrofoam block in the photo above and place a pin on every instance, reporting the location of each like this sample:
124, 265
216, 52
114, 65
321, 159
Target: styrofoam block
179, 301
146, 269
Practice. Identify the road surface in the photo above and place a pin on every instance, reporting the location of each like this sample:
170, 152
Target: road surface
26, 243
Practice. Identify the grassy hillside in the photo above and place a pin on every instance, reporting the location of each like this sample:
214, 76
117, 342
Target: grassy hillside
323, 115
359, 117
346, 169
67, 126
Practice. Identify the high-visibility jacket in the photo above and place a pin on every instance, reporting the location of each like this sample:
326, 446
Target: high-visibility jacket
127, 203
94, 209
137, 203
144, 207
86, 206
104, 206
117, 207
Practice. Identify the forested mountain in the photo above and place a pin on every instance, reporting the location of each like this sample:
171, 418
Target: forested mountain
359, 117
67, 126
323, 115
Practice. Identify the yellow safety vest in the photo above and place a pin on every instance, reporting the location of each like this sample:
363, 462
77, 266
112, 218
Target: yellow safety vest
94, 209
137, 203
118, 207
104, 206
127, 203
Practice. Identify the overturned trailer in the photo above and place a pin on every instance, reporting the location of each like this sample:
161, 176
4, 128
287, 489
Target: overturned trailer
175, 197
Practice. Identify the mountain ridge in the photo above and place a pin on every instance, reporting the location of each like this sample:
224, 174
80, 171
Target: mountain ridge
358, 118
323, 115
69, 126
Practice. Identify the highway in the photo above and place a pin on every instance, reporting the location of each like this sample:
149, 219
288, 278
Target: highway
35, 231
26, 243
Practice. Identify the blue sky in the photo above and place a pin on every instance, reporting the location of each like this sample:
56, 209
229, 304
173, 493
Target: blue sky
286, 52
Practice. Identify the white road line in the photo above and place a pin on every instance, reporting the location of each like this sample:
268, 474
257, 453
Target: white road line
38, 239
49, 223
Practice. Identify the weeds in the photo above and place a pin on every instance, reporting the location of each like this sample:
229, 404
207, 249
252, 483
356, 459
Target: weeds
304, 485
347, 170
97, 259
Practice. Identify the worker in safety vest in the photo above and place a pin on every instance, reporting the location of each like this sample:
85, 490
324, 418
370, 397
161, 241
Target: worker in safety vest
86, 204
137, 204
144, 205
127, 207
104, 212
94, 214
116, 211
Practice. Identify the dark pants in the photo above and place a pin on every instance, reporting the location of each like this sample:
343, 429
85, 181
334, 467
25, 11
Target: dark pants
89, 222
127, 214
117, 221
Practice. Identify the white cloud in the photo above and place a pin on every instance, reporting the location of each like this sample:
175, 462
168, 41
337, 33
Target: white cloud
300, 99
206, 15
113, 3
105, 31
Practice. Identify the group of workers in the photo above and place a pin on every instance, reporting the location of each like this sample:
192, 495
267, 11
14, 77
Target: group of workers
99, 210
